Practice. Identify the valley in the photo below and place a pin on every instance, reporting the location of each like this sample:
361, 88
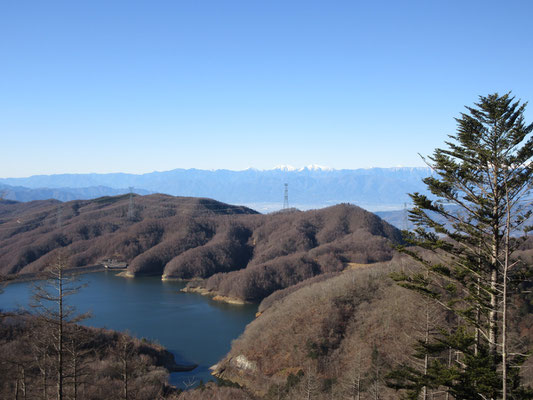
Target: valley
312, 306
196, 330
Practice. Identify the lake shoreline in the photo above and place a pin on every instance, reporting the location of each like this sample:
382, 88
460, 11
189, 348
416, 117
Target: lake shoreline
214, 295
124, 273
197, 331
41, 275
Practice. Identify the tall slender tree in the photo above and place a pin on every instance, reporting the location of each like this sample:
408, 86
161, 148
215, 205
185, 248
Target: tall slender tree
50, 303
480, 199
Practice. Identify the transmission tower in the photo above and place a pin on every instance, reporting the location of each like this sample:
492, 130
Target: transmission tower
131, 211
286, 197
405, 221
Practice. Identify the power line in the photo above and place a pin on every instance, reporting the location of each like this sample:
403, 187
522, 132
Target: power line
59, 216
131, 211
286, 197
405, 221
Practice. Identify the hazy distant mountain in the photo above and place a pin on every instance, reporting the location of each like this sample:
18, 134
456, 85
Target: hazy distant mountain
20, 193
311, 186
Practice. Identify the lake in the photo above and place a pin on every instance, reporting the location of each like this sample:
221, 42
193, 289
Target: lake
196, 329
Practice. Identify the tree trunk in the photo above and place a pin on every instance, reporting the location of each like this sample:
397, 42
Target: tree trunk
44, 376
23, 379
359, 384
60, 337
493, 312
426, 355
125, 376
75, 377
504, 295
494, 276
478, 307
449, 365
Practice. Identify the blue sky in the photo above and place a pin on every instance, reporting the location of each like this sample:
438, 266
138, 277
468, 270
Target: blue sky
138, 86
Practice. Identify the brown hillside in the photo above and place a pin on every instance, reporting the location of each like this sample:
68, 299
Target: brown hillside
291, 247
323, 336
32, 233
94, 356
236, 251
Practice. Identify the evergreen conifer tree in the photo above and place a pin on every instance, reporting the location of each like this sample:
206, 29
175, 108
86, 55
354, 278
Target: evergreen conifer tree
464, 238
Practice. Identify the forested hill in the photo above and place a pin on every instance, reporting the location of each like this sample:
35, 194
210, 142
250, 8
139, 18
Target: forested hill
238, 252
32, 233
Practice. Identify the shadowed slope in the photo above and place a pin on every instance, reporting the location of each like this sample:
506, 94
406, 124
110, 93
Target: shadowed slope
91, 230
236, 251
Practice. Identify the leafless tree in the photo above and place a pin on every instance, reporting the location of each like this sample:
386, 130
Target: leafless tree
52, 308
125, 354
309, 384
77, 355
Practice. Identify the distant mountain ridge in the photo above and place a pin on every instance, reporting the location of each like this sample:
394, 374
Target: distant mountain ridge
312, 185
24, 194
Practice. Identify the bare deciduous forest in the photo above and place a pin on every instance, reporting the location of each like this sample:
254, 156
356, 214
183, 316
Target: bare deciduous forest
344, 334
94, 363
238, 252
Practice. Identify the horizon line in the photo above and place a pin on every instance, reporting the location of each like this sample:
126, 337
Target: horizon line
284, 168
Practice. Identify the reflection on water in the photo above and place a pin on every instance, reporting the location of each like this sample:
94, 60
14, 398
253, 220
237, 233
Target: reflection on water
196, 329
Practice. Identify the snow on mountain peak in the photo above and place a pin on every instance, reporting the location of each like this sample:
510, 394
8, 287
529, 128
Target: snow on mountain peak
315, 167
286, 168
312, 167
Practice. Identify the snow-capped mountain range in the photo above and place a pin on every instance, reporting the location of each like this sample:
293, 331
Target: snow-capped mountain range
312, 167
310, 186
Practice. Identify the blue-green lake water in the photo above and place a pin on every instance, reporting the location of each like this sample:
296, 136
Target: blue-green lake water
194, 328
